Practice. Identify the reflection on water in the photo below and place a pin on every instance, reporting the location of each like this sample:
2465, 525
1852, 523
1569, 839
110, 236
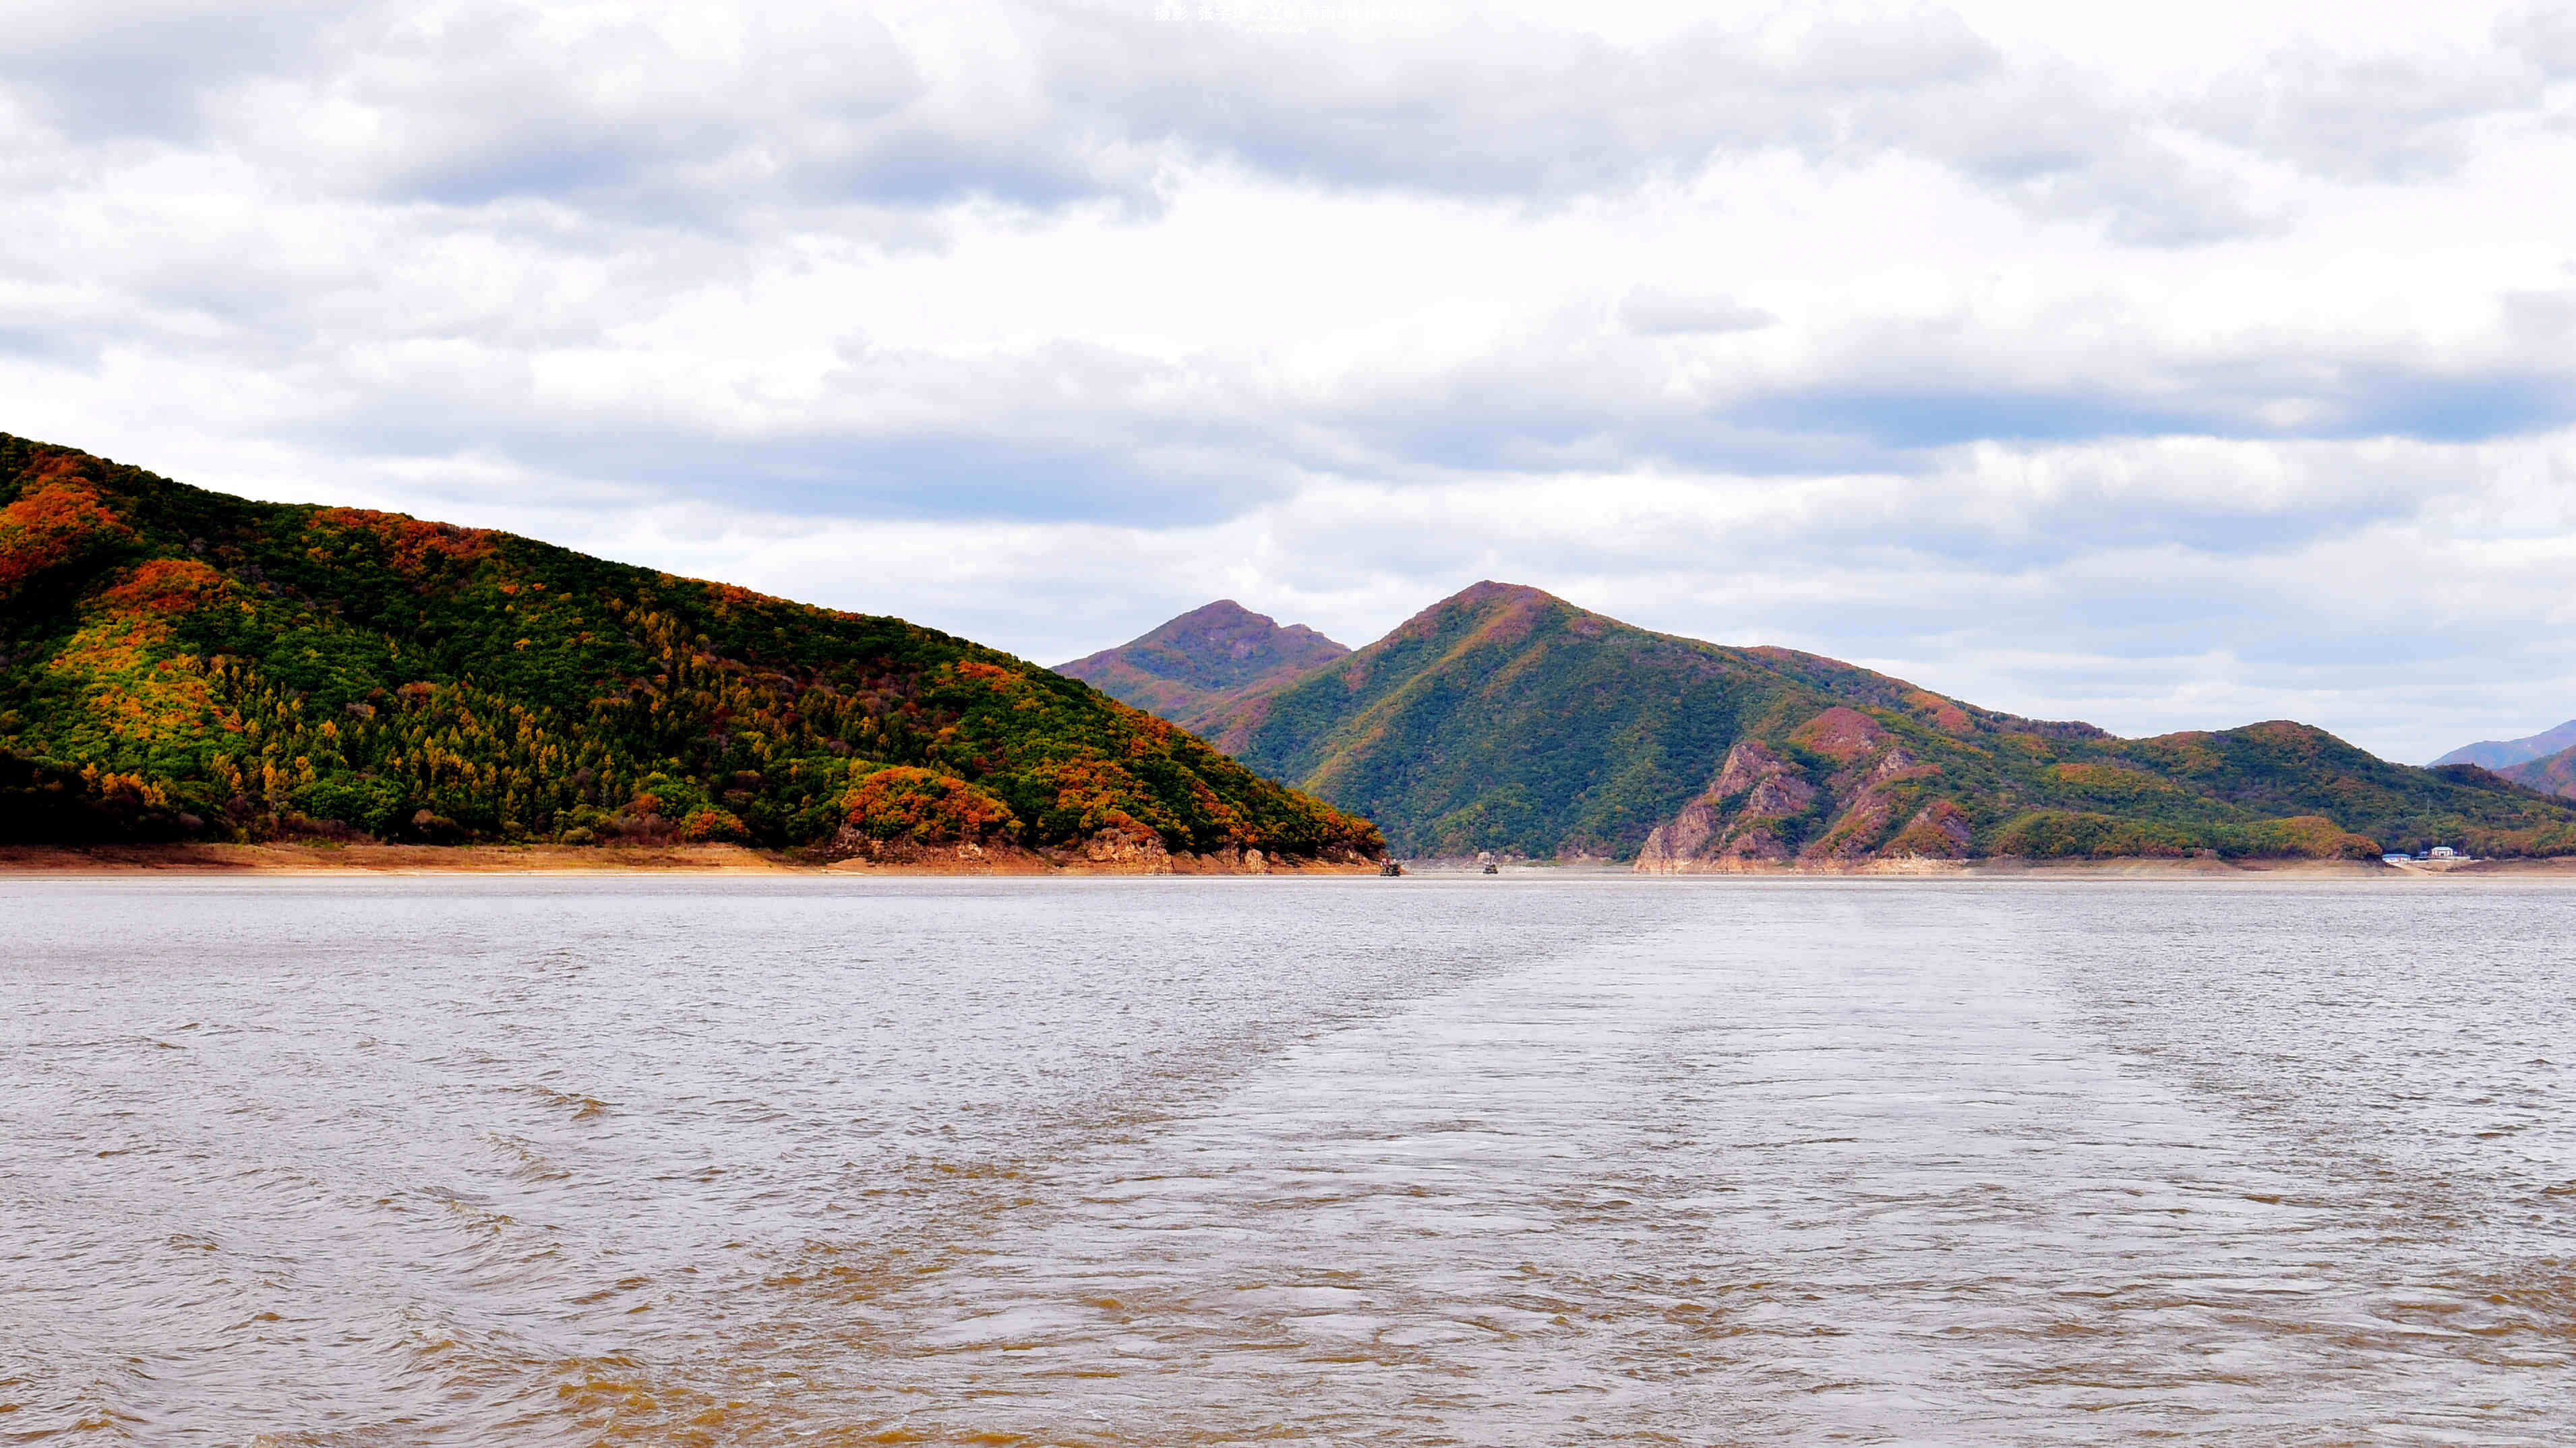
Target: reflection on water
1202, 1161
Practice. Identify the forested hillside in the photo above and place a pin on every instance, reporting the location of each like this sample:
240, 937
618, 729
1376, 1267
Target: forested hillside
1505, 719
177, 663
2554, 774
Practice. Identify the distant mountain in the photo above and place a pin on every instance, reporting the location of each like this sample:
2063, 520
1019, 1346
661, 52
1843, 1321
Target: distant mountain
2553, 774
1192, 667
2499, 754
1506, 719
183, 664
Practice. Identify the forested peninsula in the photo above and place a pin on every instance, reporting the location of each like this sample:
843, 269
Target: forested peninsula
179, 665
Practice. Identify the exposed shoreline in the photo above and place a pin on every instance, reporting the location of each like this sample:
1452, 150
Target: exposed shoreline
341, 859
2140, 867
317, 858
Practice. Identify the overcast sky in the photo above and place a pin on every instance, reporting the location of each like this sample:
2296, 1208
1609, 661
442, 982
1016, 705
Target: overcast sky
2167, 366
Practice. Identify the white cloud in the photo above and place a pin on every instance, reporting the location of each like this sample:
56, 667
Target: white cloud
1659, 312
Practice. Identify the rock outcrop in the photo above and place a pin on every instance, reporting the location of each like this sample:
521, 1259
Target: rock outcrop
1141, 852
1747, 816
1765, 808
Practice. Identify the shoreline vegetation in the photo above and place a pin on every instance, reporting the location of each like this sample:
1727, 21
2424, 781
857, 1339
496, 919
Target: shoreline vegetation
328, 857
331, 857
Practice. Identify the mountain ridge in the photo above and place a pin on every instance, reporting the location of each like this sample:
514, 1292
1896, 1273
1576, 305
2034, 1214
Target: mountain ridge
1505, 719
2550, 774
2502, 754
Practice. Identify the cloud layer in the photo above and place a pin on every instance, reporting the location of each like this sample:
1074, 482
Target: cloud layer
2206, 369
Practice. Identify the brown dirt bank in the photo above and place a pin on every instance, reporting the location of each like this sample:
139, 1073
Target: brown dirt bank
2168, 866
318, 858
2560, 868
2140, 866
2154, 867
325, 858
1987, 868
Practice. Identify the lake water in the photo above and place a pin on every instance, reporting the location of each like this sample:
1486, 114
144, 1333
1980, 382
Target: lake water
1519, 1160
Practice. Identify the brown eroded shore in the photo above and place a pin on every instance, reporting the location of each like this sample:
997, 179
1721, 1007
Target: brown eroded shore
2128, 867
2561, 868
313, 858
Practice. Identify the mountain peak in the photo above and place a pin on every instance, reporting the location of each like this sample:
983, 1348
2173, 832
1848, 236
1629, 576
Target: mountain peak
1511, 607
1224, 613
1485, 590
1488, 594
1190, 666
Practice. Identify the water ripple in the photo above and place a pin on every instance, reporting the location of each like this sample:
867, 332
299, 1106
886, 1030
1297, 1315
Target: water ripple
1166, 1161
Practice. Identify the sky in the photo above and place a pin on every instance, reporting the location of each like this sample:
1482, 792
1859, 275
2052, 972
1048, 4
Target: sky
2172, 368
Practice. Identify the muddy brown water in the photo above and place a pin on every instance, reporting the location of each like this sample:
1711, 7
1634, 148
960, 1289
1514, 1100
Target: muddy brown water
751, 1161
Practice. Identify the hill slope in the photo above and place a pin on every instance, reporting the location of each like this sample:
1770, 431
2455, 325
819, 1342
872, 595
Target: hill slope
181, 663
2552, 774
1194, 666
2500, 754
1505, 719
